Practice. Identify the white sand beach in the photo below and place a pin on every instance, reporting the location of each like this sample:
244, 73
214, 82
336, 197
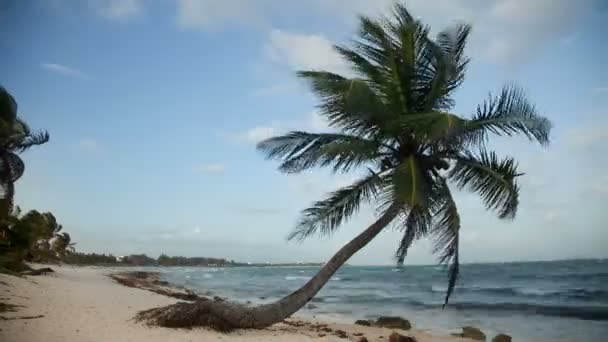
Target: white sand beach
83, 304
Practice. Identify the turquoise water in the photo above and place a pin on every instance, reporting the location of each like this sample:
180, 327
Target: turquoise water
532, 301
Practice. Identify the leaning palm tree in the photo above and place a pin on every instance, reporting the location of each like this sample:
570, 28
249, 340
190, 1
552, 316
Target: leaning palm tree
394, 120
62, 244
15, 137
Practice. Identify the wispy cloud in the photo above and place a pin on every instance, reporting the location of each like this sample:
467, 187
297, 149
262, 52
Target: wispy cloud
600, 186
65, 70
87, 145
255, 210
600, 90
119, 9
273, 89
588, 135
211, 14
304, 52
212, 168
257, 134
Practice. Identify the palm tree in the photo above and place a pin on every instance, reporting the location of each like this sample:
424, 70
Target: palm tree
63, 245
15, 137
394, 120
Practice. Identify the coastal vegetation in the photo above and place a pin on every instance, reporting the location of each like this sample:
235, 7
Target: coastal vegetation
28, 236
394, 126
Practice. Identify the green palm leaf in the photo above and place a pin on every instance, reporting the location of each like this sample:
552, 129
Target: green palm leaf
325, 216
301, 150
446, 230
491, 178
508, 114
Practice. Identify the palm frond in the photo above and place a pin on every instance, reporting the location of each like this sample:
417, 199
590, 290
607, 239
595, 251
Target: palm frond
446, 230
416, 225
32, 139
325, 216
301, 150
443, 66
491, 178
348, 104
509, 113
8, 106
11, 166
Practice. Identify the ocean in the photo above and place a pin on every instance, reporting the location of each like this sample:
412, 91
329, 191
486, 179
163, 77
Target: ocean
531, 301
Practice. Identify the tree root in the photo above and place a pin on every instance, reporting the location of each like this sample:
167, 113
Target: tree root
217, 314
202, 313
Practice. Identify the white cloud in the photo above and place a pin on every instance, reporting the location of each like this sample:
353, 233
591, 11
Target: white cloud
212, 168
65, 70
318, 123
555, 215
511, 30
273, 89
257, 134
600, 186
210, 14
87, 145
588, 135
303, 51
600, 90
119, 9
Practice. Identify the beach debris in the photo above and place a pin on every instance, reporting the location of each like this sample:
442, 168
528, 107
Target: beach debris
6, 307
341, 333
20, 317
472, 333
322, 335
358, 334
40, 271
151, 281
363, 339
396, 337
501, 338
363, 322
393, 322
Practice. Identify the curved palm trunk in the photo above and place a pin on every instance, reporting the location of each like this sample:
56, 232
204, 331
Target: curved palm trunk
225, 316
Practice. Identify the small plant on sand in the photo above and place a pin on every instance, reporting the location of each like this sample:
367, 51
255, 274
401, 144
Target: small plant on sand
394, 119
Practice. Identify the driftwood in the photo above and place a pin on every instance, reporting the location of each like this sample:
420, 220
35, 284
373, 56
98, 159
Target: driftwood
151, 281
20, 317
40, 271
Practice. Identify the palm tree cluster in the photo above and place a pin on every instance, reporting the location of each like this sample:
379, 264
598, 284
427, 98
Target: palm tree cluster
15, 138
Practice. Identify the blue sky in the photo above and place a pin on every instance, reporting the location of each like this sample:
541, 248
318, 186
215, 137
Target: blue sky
154, 108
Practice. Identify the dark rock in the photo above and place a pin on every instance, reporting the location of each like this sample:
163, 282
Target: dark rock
357, 334
393, 323
322, 335
262, 297
395, 337
501, 338
218, 299
326, 329
363, 339
311, 306
363, 322
341, 333
473, 333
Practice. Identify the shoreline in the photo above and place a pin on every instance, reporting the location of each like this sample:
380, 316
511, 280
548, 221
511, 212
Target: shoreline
80, 303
